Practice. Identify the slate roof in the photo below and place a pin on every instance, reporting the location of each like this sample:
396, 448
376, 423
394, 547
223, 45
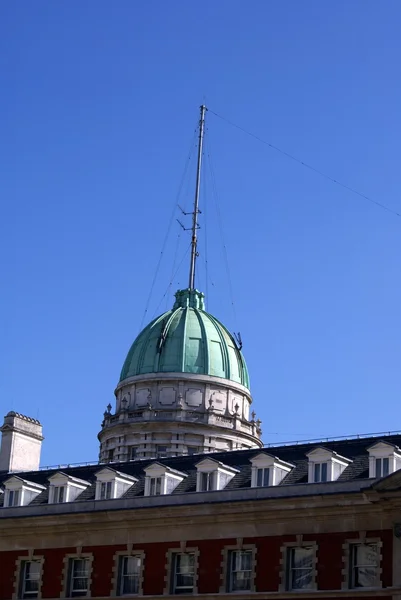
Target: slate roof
353, 449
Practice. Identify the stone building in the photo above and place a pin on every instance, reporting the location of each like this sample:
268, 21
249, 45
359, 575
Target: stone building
186, 500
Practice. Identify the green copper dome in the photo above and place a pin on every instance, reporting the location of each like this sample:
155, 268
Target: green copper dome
186, 339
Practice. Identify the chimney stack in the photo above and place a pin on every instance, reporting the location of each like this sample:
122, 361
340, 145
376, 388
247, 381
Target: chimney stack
21, 443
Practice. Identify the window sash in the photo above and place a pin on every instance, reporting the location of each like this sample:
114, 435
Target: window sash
30, 579
14, 497
364, 565
79, 577
240, 570
262, 477
320, 475
58, 494
129, 575
300, 568
106, 488
382, 467
183, 573
155, 488
207, 481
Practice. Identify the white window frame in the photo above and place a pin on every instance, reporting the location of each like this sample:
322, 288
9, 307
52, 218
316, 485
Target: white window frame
290, 568
73, 487
116, 579
138, 576
13, 498
22, 487
112, 477
383, 451
156, 486
382, 466
175, 589
159, 476
353, 567
348, 566
263, 476
320, 456
320, 472
285, 562
278, 469
170, 577
23, 578
215, 470
231, 556
71, 593
19, 583
106, 490
59, 494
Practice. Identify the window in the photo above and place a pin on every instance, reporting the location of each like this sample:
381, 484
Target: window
58, 494
325, 465
13, 498
192, 450
300, 568
183, 573
110, 454
129, 575
364, 565
30, 578
262, 477
78, 578
161, 451
207, 481
155, 486
382, 467
239, 570
106, 489
268, 470
132, 454
320, 472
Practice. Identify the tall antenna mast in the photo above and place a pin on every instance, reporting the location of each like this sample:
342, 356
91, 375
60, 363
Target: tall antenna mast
194, 242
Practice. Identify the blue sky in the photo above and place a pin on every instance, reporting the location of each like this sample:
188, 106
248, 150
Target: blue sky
98, 104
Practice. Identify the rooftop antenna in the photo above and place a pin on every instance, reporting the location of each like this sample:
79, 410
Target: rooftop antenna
195, 226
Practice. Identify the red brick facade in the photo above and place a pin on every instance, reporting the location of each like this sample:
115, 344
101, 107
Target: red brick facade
330, 564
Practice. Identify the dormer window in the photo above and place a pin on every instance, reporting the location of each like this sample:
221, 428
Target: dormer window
59, 494
382, 466
208, 481
384, 458
65, 488
263, 477
13, 498
325, 465
320, 472
20, 492
106, 490
268, 470
161, 480
155, 487
112, 484
213, 475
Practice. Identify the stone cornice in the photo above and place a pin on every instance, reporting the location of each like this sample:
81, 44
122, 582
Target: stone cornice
292, 516
16, 429
208, 379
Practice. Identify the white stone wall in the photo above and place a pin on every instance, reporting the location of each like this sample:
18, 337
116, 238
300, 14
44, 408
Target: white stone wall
183, 412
